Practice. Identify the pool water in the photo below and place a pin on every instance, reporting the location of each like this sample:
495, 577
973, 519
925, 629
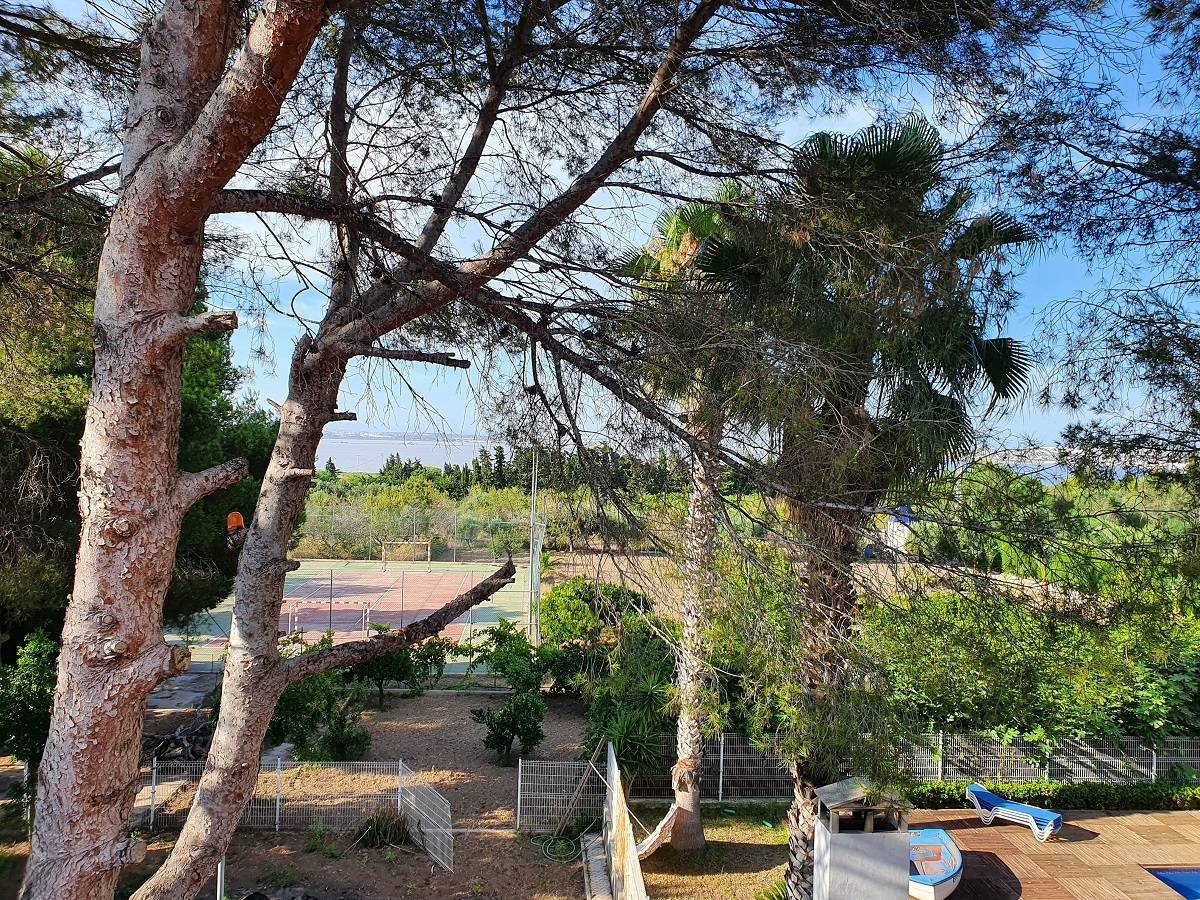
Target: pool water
1185, 882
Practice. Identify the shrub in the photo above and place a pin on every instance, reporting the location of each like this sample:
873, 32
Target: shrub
566, 664
519, 719
321, 714
315, 839
417, 668
26, 695
385, 827
579, 609
281, 875
1061, 795
567, 612
508, 653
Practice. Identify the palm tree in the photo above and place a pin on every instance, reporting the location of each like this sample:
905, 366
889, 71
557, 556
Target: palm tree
867, 269
690, 366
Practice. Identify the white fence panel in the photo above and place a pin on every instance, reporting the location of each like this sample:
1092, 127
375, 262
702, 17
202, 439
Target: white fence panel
545, 792
624, 867
428, 817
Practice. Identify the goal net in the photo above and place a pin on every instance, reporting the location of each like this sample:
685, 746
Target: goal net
406, 551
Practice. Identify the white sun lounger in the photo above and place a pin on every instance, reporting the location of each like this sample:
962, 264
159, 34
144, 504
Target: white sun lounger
1042, 822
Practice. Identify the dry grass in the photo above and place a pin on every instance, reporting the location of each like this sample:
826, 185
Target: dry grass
743, 856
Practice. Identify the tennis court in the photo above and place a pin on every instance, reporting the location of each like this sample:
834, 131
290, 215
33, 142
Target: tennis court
347, 596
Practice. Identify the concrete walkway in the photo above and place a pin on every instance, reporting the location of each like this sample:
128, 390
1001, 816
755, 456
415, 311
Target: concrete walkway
1097, 855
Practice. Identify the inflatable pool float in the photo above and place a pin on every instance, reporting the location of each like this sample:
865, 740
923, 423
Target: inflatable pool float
934, 864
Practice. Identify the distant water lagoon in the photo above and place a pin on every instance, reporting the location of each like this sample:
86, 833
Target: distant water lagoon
367, 451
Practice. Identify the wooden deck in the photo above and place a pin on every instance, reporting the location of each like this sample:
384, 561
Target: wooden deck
1097, 855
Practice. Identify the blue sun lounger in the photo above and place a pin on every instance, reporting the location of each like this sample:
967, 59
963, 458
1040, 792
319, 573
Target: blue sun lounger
1042, 822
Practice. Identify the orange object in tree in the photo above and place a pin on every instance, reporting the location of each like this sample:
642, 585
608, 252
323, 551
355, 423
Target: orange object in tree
234, 522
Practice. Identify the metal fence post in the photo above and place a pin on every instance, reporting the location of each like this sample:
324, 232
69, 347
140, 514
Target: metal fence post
278, 790
941, 751
153, 788
721, 771
399, 786
1153, 764
221, 879
520, 770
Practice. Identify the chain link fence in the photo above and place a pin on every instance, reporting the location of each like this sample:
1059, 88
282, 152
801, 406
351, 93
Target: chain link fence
291, 796
350, 531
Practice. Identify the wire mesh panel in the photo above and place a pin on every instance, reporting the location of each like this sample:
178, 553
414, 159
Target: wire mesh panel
547, 791
747, 771
1112, 761
1178, 760
969, 757
428, 815
338, 795
925, 757
296, 796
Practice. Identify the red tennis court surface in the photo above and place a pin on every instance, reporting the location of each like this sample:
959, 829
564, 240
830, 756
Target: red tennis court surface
349, 601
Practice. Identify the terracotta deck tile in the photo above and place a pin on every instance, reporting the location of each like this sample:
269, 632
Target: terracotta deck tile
1093, 888
1101, 855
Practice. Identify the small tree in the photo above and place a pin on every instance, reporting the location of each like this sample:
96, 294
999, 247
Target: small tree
320, 714
518, 719
26, 695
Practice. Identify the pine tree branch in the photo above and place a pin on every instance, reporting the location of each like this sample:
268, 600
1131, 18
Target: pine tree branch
356, 652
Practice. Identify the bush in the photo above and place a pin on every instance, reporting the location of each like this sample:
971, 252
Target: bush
566, 664
321, 714
26, 695
567, 612
1061, 795
508, 654
579, 609
385, 827
417, 668
518, 719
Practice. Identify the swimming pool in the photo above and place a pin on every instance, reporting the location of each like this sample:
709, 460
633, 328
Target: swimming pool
1185, 882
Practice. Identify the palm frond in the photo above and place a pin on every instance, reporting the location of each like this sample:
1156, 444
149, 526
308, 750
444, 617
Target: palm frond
1005, 364
990, 232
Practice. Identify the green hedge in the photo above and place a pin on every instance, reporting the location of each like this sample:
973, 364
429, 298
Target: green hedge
1059, 795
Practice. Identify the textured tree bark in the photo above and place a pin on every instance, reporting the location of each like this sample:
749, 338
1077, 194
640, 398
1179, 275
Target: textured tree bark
801, 825
255, 674
826, 533
132, 500
180, 148
687, 831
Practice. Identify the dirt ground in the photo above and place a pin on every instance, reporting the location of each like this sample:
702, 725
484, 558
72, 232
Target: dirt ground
435, 736
743, 856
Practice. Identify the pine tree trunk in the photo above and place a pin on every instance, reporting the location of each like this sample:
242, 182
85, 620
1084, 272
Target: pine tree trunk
687, 831
132, 499
192, 119
254, 674
801, 826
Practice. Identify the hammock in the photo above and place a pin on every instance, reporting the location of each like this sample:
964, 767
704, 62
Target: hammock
660, 835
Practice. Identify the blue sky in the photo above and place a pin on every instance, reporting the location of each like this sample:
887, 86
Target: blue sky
387, 403
449, 403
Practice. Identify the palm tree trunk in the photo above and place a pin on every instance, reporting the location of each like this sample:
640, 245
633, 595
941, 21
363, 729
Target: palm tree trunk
687, 831
826, 535
801, 826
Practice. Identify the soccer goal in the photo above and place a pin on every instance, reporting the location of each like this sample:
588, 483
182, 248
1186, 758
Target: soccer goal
406, 551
